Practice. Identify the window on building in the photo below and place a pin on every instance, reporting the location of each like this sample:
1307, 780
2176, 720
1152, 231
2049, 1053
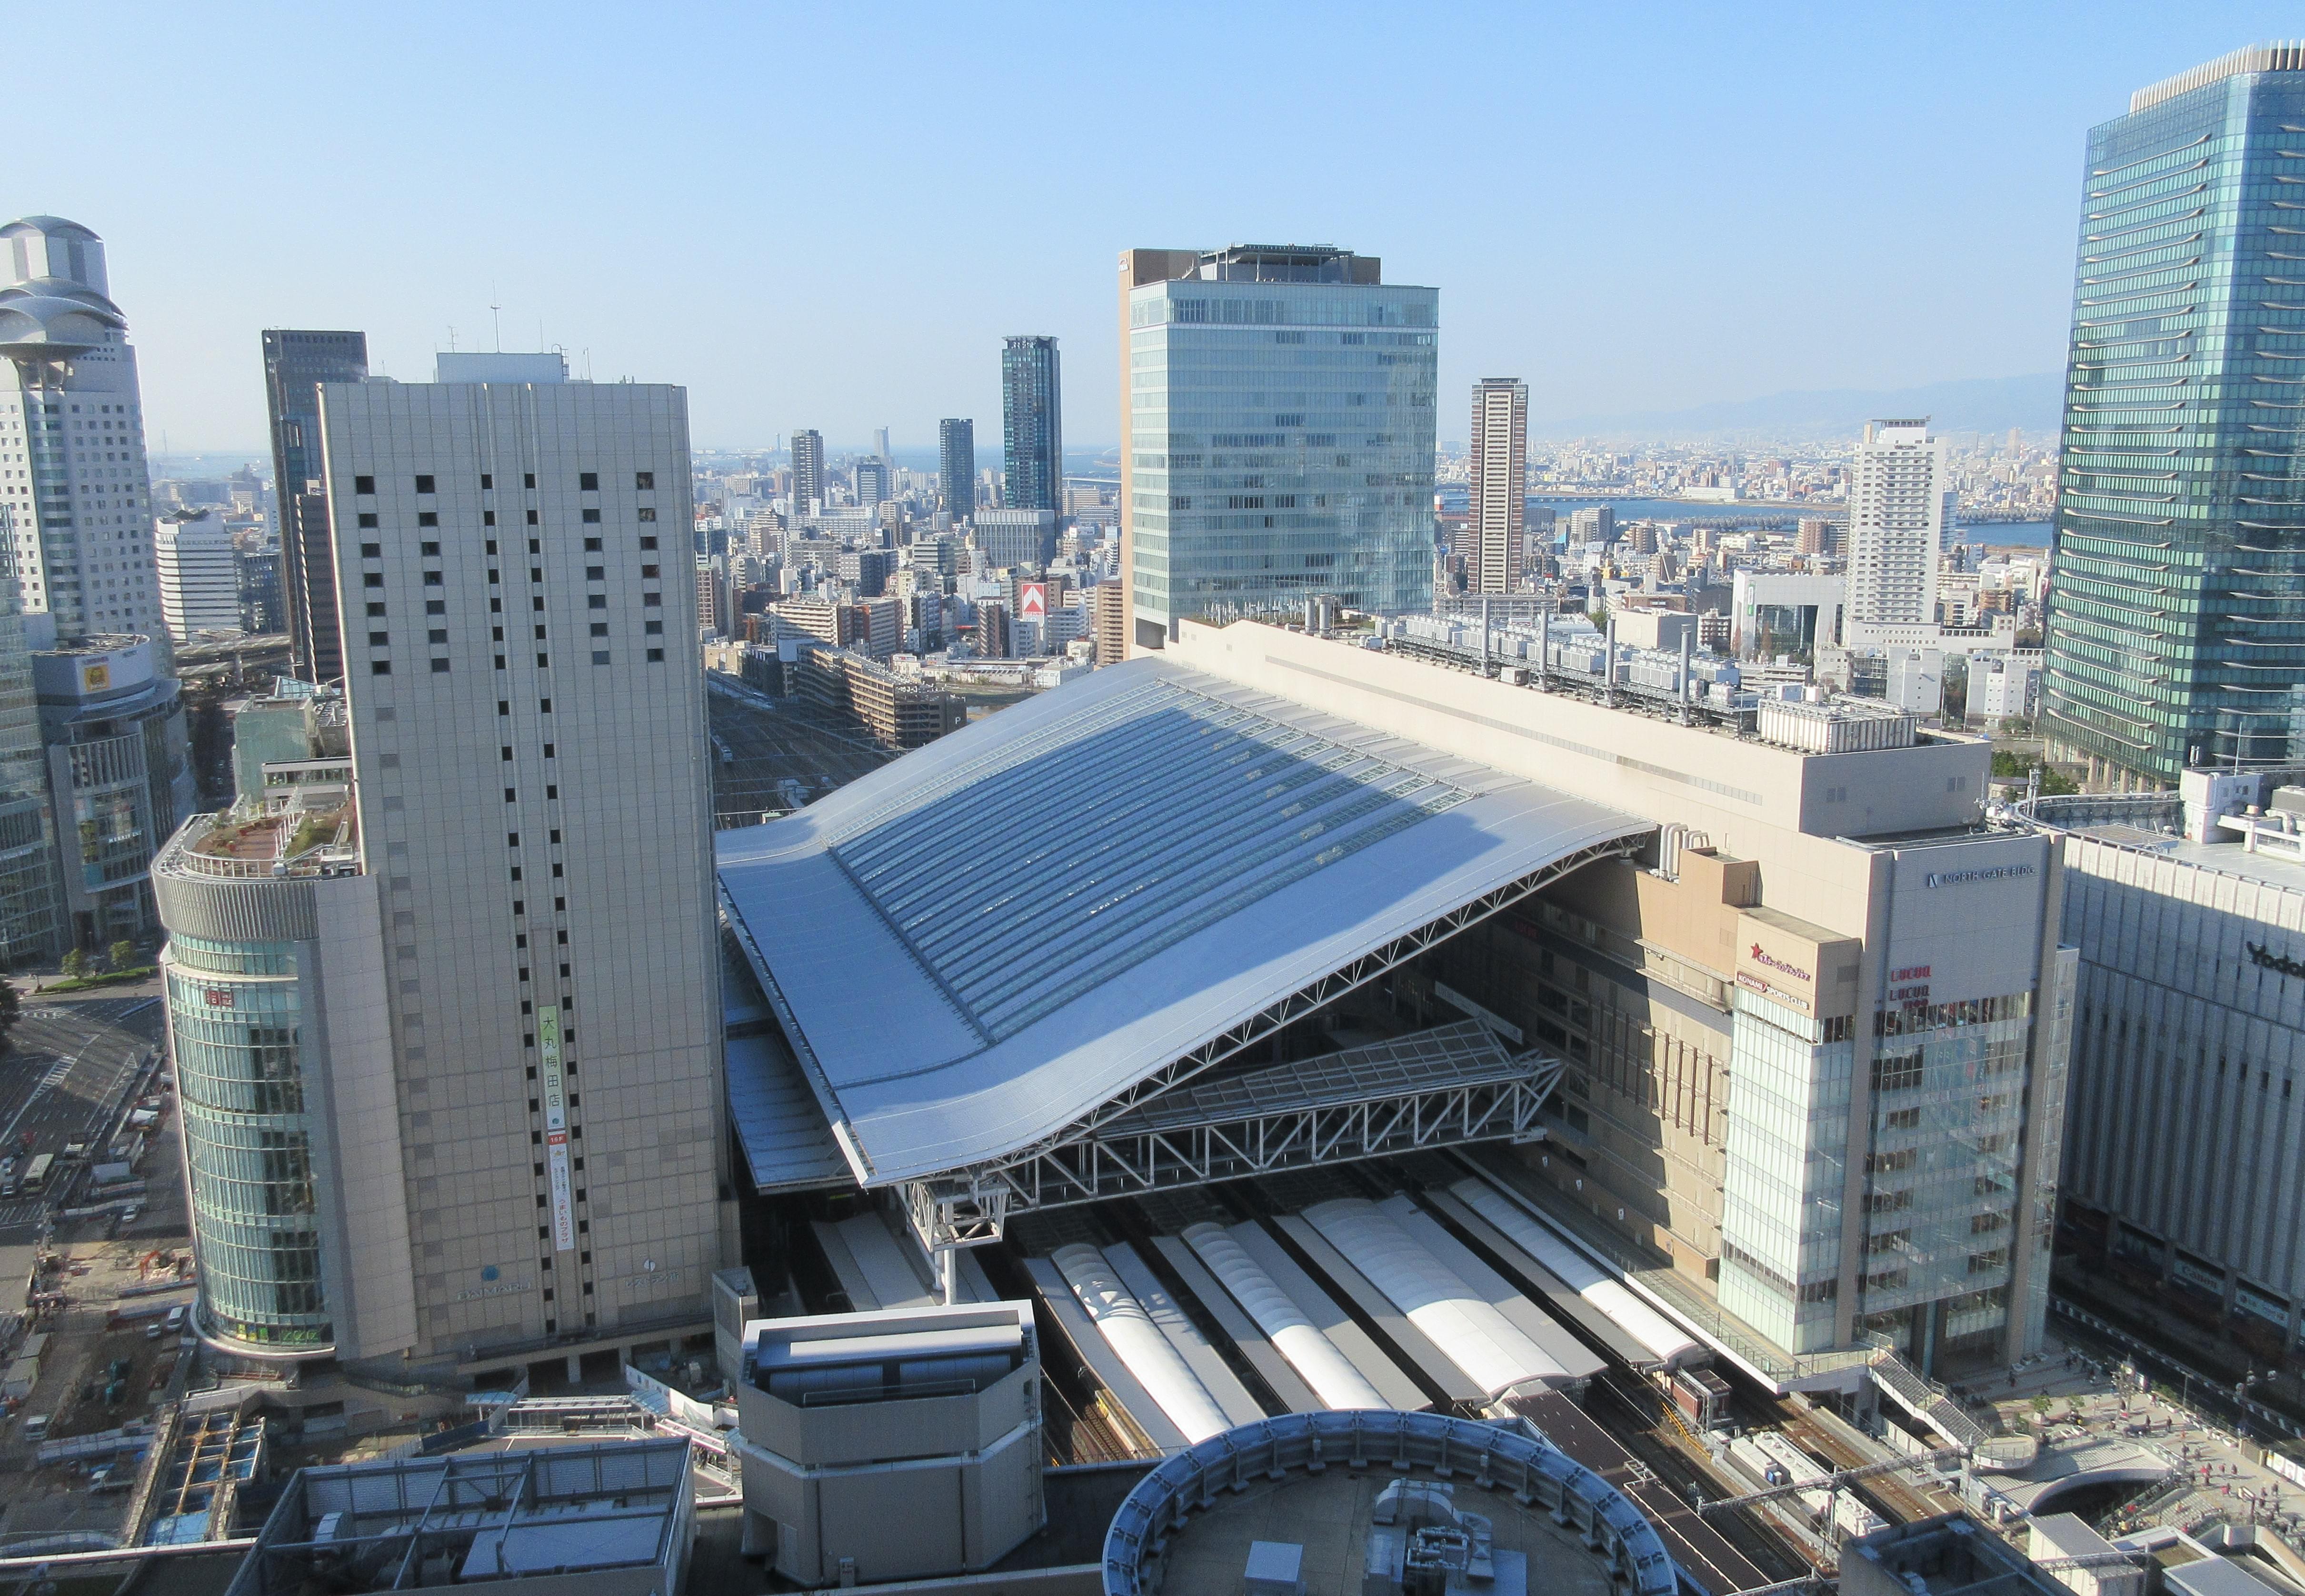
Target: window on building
424, 484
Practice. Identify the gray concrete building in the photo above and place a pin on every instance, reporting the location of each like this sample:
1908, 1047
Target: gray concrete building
530, 822
2183, 1164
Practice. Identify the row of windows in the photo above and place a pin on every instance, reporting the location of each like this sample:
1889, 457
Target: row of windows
369, 521
586, 481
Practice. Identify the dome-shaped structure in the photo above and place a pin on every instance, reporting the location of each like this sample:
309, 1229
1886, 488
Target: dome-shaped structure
54, 301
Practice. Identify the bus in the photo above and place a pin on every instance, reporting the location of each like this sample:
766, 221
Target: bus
36, 1176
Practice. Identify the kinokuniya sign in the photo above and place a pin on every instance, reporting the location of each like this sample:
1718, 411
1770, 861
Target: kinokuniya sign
2265, 958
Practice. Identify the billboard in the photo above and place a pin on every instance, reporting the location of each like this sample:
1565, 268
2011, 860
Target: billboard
1033, 601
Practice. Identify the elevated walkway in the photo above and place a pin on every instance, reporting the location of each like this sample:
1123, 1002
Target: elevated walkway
1925, 1399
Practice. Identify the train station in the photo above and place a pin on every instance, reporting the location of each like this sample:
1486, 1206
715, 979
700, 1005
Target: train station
1314, 1025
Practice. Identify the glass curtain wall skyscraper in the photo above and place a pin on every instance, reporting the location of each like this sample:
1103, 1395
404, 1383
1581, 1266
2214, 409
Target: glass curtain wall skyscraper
2177, 628
295, 364
29, 919
1032, 425
1277, 413
957, 467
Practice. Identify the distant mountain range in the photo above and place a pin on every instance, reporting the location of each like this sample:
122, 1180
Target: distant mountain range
1978, 405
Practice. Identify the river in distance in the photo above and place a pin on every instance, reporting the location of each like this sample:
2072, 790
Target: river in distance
2018, 534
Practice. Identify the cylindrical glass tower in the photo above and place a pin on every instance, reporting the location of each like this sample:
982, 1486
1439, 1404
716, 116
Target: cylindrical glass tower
234, 1019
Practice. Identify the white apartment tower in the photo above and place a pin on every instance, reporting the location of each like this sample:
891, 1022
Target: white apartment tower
72, 435
537, 980
1898, 499
199, 572
1499, 478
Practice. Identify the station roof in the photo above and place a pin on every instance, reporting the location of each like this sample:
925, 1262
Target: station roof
980, 944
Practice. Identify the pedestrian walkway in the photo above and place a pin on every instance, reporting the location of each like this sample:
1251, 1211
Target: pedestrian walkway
2070, 1400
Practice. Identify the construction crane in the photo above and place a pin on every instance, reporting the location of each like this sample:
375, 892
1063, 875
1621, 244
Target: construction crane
1835, 1481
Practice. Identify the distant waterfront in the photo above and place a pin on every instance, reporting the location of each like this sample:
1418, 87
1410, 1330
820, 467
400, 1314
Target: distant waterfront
2030, 534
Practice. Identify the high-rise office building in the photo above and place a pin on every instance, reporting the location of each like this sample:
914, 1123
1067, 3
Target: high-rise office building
1008, 538
74, 443
808, 482
957, 467
120, 778
881, 446
28, 924
1595, 524
2175, 635
199, 568
1277, 404
871, 474
1897, 512
510, 986
1499, 483
1032, 424
294, 363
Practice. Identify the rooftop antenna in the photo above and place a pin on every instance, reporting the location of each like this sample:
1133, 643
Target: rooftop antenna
451, 340
495, 320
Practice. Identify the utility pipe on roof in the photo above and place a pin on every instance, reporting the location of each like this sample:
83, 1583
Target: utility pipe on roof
1327, 1371
1611, 1299
1121, 1319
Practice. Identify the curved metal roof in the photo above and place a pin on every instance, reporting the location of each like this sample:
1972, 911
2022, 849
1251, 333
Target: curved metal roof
986, 940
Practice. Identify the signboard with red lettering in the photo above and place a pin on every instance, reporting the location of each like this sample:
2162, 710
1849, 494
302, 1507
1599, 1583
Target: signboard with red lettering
1033, 601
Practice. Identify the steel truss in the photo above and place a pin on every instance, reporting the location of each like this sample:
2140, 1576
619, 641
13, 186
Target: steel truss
969, 1206
1119, 1163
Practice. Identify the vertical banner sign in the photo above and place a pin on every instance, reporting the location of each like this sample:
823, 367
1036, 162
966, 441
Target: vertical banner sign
548, 1046
564, 1204
1033, 601
556, 1130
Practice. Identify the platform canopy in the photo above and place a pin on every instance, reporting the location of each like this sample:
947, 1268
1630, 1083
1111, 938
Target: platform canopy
1041, 922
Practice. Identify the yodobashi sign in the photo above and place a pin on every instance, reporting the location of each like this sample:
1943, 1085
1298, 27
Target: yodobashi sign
1994, 872
2280, 964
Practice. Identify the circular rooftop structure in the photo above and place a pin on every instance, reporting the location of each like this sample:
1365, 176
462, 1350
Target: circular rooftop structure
1366, 1500
54, 296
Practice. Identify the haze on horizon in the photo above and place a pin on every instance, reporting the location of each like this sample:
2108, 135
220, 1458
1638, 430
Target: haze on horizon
811, 222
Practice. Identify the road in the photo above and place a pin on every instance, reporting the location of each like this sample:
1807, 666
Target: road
62, 1079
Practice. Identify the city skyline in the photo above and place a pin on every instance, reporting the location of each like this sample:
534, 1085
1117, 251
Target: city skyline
1768, 243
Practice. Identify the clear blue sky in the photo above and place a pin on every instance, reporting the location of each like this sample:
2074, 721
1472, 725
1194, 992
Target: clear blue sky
828, 214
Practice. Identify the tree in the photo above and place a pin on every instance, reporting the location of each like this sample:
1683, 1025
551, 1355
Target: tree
122, 953
75, 964
12, 1009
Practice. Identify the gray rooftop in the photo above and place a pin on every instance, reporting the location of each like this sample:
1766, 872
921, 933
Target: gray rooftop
981, 943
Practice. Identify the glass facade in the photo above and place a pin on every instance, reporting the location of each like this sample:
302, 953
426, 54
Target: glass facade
30, 923
295, 364
2176, 632
1032, 425
1781, 1206
1281, 436
236, 1021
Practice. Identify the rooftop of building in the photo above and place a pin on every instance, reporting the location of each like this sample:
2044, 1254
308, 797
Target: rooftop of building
993, 937
1351, 1501
2279, 55
244, 844
2153, 824
1943, 1557
485, 1515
